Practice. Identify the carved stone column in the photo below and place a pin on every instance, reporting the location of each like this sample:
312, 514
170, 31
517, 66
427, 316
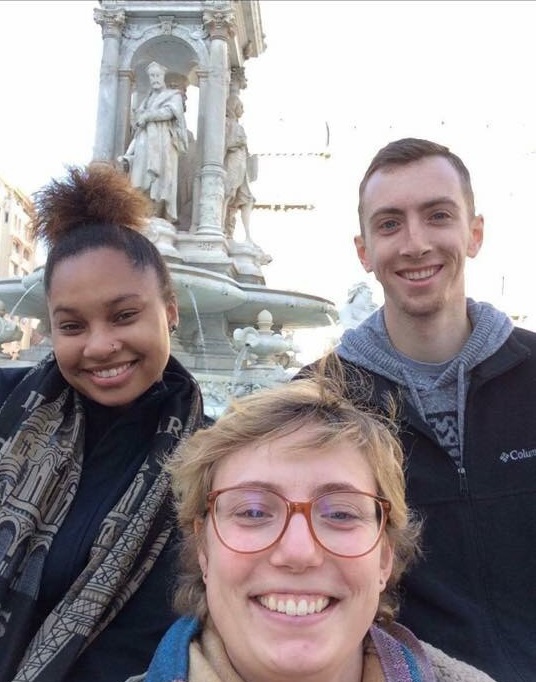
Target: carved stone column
202, 79
111, 22
124, 95
220, 23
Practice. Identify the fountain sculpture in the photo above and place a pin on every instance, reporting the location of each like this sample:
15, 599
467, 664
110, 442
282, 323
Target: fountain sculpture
153, 53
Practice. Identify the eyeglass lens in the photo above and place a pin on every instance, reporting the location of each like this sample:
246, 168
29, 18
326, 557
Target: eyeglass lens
344, 522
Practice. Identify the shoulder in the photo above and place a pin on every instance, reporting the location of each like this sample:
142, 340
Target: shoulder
10, 377
520, 346
448, 669
525, 336
170, 95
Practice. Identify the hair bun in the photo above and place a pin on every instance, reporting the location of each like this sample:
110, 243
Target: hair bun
94, 194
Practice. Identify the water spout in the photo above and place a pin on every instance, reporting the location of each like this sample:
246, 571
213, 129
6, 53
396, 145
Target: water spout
239, 361
199, 328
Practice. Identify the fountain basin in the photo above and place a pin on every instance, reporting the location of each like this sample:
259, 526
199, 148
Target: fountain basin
208, 291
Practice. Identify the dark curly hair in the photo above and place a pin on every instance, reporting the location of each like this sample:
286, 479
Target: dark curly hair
95, 207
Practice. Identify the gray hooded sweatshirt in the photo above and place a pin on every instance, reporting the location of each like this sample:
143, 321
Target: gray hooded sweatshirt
436, 390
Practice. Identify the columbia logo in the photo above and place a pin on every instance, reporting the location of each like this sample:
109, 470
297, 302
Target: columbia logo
515, 455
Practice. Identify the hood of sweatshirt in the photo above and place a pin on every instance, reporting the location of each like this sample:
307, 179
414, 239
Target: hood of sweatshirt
369, 346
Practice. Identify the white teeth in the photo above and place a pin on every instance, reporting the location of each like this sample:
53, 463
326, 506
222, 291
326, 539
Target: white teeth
419, 274
291, 607
107, 373
303, 608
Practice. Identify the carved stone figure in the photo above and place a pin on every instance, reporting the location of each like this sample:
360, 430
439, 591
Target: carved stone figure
238, 196
160, 137
358, 307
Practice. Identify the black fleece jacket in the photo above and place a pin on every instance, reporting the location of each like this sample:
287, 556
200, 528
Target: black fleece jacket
472, 594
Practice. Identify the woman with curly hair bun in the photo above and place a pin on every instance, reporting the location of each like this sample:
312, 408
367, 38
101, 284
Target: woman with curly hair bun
86, 535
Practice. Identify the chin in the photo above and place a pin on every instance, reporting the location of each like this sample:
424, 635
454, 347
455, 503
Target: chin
424, 308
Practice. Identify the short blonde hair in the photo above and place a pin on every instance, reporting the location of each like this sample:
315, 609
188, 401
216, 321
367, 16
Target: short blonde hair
264, 417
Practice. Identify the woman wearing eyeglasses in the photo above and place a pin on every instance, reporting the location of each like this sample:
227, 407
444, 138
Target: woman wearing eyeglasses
296, 533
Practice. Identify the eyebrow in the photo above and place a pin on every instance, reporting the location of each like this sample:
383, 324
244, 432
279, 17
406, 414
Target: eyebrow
394, 210
331, 487
69, 310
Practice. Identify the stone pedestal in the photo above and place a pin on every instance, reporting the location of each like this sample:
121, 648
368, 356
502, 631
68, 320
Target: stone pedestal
248, 260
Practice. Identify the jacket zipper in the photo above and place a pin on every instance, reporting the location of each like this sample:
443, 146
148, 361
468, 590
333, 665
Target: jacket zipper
462, 475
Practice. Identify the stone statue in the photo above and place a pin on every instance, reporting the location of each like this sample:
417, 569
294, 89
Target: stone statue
358, 306
160, 137
237, 195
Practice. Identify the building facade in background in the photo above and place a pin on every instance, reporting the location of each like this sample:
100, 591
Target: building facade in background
17, 259
17, 249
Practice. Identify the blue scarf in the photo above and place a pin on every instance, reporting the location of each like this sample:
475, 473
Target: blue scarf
401, 655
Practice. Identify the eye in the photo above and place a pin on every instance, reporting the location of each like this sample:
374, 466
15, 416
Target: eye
69, 327
342, 516
440, 216
340, 512
389, 225
125, 316
247, 508
253, 513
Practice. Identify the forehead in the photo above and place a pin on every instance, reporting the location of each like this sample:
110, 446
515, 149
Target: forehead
295, 466
96, 270
412, 184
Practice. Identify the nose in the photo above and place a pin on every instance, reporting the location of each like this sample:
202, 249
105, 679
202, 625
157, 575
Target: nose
416, 239
297, 548
100, 344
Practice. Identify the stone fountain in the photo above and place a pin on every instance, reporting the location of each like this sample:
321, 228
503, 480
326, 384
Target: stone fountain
235, 332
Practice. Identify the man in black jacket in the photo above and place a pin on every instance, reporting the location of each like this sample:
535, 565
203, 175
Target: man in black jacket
465, 380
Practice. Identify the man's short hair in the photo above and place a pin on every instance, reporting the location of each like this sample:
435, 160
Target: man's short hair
407, 150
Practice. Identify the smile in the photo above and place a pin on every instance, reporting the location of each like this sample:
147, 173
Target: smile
111, 372
415, 275
294, 607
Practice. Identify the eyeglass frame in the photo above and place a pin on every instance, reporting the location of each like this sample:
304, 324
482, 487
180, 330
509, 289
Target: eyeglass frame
303, 508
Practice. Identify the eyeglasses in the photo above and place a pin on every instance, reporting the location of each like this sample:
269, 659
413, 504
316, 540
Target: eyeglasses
345, 523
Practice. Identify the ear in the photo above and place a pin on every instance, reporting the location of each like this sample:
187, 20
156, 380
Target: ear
361, 249
386, 562
172, 312
476, 236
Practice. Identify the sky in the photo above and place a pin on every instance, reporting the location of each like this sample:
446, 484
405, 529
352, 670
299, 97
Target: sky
459, 72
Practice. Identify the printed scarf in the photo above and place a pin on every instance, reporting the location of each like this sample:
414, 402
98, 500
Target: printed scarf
190, 653
41, 454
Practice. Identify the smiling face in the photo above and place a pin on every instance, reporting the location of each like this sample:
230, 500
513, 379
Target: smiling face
417, 233
293, 610
110, 325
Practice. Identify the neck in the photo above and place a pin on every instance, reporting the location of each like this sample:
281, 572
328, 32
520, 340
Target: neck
429, 338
